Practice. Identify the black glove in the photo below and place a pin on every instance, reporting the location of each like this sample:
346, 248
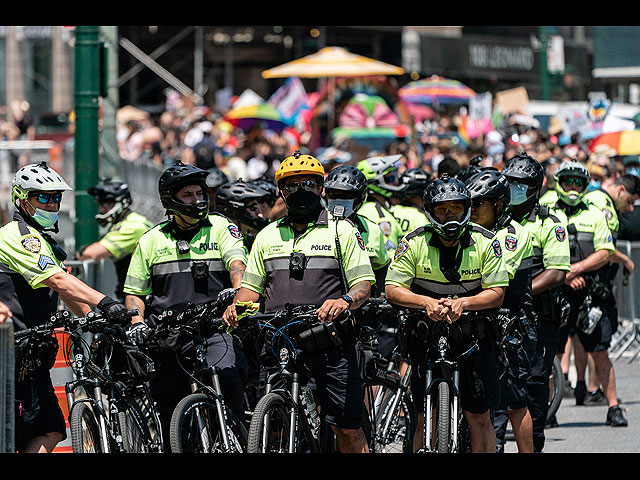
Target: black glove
113, 310
138, 333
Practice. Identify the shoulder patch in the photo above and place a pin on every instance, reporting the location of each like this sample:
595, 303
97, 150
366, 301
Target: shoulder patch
31, 244
510, 243
234, 231
360, 240
561, 234
497, 251
607, 213
403, 246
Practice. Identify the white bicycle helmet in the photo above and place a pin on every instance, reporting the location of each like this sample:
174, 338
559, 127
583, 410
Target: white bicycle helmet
37, 177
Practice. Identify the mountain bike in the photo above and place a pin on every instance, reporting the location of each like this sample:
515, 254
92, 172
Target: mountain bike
201, 422
286, 419
111, 408
391, 416
556, 388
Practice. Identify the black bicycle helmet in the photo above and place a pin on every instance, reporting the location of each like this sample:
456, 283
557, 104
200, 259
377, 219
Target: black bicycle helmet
232, 199
176, 177
216, 177
111, 191
493, 186
447, 189
268, 186
525, 169
414, 181
347, 182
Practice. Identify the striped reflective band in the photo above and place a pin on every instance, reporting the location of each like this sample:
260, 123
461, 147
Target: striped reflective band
184, 266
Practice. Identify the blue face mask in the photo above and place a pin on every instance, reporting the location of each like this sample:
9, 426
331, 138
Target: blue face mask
633, 171
45, 219
594, 185
518, 193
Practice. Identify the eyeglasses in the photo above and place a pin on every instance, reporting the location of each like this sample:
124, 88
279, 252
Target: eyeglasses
579, 182
444, 208
293, 187
47, 197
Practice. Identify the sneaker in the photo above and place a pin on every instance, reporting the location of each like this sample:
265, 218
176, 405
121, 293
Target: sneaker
615, 417
580, 392
568, 389
596, 398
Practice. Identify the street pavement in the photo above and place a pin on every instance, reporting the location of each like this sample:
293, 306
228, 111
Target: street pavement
582, 429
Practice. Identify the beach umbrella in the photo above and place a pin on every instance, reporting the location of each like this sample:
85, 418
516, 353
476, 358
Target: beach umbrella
626, 142
436, 90
249, 116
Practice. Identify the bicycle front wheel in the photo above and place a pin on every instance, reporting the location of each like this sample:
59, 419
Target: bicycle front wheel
444, 419
196, 427
395, 422
556, 388
269, 431
85, 434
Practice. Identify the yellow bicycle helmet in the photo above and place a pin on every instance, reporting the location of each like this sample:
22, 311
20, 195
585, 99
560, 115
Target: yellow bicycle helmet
299, 164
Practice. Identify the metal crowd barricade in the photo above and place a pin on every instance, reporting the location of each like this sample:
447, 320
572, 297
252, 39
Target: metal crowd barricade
7, 388
628, 303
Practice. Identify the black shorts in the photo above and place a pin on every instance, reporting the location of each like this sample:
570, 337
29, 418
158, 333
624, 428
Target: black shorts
37, 411
479, 380
339, 387
600, 339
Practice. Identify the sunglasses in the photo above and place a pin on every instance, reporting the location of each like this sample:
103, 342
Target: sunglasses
293, 187
390, 178
574, 181
47, 197
444, 208
253, 207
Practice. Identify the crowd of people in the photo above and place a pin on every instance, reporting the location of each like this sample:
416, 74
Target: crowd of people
513, 223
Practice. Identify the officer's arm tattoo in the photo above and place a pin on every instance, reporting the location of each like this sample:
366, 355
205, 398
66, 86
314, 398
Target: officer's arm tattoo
236, 271
360, 293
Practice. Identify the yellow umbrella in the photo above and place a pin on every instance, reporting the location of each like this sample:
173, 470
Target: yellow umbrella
332, 62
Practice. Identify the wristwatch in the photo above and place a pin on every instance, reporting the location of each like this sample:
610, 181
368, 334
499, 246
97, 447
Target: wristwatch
347, 299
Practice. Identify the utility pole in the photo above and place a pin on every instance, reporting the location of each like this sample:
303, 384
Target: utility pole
544, 71
87, 88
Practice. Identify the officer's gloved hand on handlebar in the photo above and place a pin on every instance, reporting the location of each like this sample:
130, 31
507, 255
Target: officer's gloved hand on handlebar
113, 310
138, 333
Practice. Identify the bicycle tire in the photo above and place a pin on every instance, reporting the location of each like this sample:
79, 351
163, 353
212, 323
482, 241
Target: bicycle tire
136, 434
444, 419
395, 427
270, 420
195, 427
85, 433
556, 386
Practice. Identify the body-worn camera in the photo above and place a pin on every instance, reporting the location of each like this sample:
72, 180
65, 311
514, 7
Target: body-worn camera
183, 246
297, 262
199, 270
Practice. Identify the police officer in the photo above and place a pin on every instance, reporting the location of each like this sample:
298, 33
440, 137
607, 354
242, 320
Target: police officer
550, 262
189, 258
613, 197
383, 182
125, 227
244, 203
408, 205
346, 191
32, 278
591, 245
489, 208
448, 267
294, 260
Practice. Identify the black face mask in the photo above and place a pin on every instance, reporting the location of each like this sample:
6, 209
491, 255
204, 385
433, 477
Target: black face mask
303, 206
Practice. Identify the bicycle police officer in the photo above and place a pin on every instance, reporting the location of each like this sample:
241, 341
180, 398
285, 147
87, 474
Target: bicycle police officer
125, 228
383, 181
295, 260
188, 259
591, 244
32, 278
449, 267
489, 208
550, 262
409, 210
